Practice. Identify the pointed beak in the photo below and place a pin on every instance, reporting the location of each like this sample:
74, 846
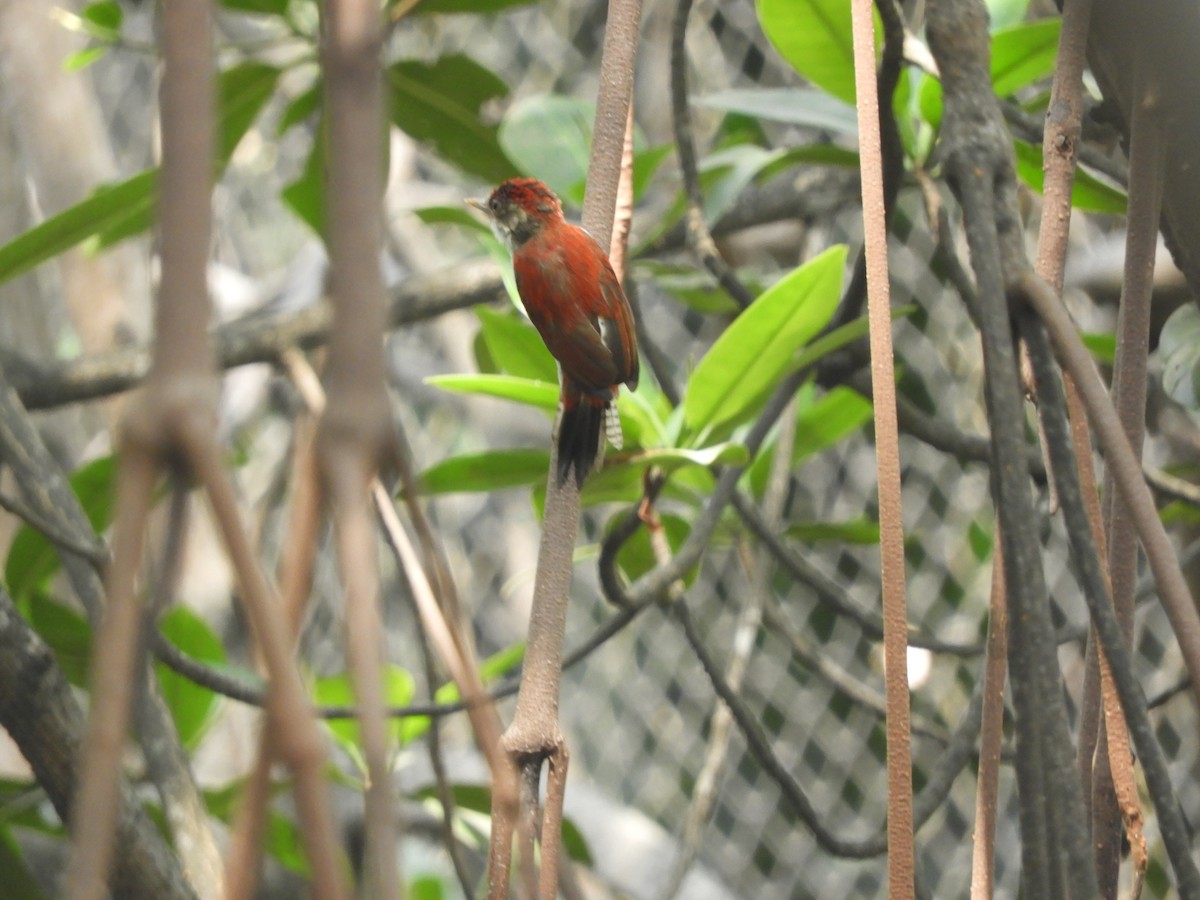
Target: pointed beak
480, 205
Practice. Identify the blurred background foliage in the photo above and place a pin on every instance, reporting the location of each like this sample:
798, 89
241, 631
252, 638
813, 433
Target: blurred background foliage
482, 90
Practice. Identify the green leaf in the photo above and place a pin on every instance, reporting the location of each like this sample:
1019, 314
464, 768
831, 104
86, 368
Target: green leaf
306, 195
980, 539
636, 556
1088, 193
451, 215
755, 351
550, 136
426, 887
490, 471
575, 844
192, 706
727, 453
795, 105
852, 531
81, 59
125, 208
284, 843
1102, 345
441, 103
1022, 54
541, 394
103, 19
19, 883
263, 7
690, 285
242, 92
823, 422
494, 667
66, 632
515, 346
301, 108
1003, 13
815, 37
32, 559
1179, 352
109, 205
337, 690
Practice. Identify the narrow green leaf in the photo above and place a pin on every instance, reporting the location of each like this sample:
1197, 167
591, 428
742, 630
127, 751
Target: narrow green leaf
337, 690
575, 843
126, 208
825, 421
285, 845
727, 453
541, 394
301, 108
981, 540
32, 560
451, 215
1089, 193
19, 883
242, 92
693, 287
814, 36
490, 471
1023, 54
66, 632
794, 105
851, 531
756, 349
306, 195
192, 706
441, 103
494, 667
515, 346
262, 7
109, 205
81, 59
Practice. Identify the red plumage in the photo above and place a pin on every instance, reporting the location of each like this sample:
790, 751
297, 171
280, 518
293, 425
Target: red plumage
575, 301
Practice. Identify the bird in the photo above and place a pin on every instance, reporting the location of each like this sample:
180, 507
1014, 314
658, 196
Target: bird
575, 301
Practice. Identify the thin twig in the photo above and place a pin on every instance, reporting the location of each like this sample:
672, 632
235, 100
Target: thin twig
901, 859
1172, 826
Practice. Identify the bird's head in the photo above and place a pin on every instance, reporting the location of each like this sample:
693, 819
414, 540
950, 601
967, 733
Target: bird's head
519, 209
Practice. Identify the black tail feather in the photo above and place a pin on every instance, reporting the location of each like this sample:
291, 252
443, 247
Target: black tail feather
579, 436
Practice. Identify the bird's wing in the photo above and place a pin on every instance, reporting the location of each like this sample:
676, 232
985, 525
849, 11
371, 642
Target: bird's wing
617, 328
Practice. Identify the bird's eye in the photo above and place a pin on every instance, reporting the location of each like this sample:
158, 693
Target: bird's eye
494, 203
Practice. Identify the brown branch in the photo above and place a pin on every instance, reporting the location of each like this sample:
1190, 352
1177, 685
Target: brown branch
39, 711
1114, 791
173, 424
1172, 825
1119, 457
256, 337
699, 238
901, 862
991, 734
52, 506
978, 158
354, 429
534, 735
